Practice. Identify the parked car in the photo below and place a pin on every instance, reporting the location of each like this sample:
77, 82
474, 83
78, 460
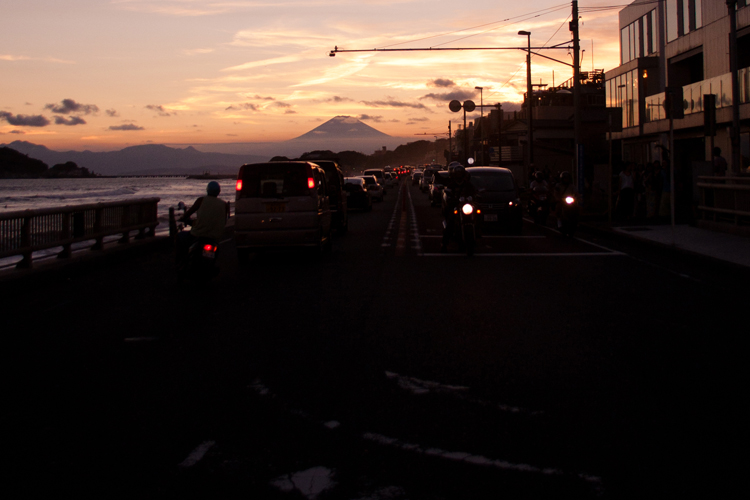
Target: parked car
373, 187
281, 204
357, 194
379, 174
497, 197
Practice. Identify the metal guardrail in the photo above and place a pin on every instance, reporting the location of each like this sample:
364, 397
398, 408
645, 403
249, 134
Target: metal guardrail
725, 199
27, 231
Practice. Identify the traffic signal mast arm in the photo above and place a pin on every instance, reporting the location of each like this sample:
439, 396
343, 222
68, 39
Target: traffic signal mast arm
337, 50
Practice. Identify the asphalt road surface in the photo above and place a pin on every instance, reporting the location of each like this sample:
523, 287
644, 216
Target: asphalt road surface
541, 367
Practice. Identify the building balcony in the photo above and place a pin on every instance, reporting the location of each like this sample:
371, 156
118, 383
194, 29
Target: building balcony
720, 86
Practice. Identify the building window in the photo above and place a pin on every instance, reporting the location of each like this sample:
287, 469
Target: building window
683, 16
625, 45
638, 38
698, 13
672, 20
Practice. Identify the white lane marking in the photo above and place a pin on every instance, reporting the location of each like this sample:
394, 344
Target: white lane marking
599, 246
311, 482
259, 388
391, 223
418, 387
416, 243
197, 454
473, 459
490, 237
582, 254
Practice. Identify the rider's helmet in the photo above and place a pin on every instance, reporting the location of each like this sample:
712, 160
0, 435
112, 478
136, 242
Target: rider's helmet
565, 178
457, 172
213, 189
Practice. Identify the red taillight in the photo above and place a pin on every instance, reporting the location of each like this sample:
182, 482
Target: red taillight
238, 187
209, 248
311, 183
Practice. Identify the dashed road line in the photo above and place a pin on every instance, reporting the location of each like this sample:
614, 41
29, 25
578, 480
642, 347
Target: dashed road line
197, 454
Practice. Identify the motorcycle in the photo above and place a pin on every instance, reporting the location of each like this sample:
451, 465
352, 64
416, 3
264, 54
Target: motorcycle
570, 210
200, 264
465, 224
539, 205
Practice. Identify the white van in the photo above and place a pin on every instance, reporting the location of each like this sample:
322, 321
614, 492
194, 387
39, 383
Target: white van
281, 204
379, 174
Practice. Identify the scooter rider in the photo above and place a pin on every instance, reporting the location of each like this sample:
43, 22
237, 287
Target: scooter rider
212, 218
563, 189
539, 185
457, 186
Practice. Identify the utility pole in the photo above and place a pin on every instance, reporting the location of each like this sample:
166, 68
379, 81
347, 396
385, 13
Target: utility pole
450, 144
578, 149
735, 133
499, 135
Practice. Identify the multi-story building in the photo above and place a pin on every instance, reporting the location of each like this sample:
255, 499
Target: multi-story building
681, 44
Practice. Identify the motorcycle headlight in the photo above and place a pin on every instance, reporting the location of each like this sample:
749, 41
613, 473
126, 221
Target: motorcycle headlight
569, 200
467, 209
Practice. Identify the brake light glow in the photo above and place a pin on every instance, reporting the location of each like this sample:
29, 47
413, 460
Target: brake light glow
209, 248
311, 183
238, 187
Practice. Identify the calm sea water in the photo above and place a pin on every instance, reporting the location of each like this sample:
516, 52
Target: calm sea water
23, 194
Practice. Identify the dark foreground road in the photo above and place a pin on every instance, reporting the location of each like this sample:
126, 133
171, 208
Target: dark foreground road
541, 367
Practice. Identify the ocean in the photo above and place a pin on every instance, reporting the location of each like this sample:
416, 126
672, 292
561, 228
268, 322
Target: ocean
23, 194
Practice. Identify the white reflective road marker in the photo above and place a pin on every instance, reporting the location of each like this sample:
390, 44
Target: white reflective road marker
197, 454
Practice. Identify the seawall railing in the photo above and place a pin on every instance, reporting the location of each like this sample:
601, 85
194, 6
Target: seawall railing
27, 231
725, 201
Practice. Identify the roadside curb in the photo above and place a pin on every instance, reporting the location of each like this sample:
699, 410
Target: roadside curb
626, 236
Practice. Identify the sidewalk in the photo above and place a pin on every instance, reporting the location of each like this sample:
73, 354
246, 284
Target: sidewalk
689, 239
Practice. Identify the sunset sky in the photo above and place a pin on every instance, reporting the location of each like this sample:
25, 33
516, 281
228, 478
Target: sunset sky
106, 74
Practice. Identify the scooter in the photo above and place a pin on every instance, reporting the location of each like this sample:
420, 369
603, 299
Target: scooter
465, 224
201, 263
539, 205
570, 210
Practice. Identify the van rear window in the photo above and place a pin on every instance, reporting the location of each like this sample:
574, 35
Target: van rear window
274, 180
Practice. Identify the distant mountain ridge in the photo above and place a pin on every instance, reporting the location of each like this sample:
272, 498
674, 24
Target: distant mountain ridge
140, 160
341, 133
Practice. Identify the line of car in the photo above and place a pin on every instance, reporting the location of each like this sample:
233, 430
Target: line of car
498, 195
282, 204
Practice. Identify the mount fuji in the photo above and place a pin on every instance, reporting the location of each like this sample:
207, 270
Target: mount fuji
341, 133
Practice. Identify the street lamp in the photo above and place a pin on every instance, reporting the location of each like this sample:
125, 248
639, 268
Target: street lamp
481, 120
529, 101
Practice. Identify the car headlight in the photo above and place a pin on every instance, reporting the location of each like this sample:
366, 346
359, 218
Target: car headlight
467, 209
569, 200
